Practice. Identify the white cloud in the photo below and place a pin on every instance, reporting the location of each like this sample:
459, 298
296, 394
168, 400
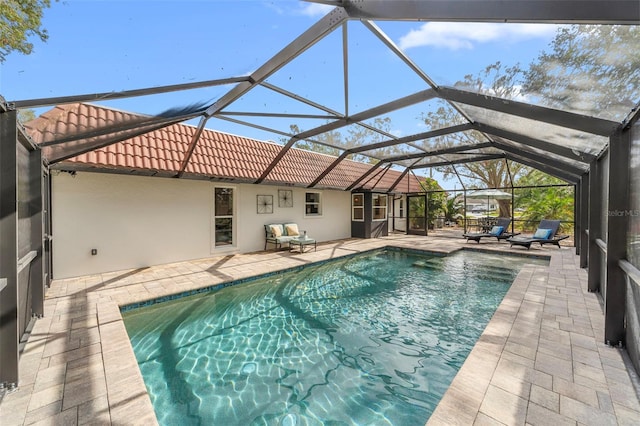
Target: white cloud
315, 9
465, 35
521, 96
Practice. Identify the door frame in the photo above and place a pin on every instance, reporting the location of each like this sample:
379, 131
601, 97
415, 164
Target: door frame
419, 231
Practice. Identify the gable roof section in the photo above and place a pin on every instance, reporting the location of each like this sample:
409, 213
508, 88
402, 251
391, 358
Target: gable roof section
217, 156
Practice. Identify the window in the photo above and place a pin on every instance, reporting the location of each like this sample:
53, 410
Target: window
357, 207
401, 208
379, 205
312, 204
223, 217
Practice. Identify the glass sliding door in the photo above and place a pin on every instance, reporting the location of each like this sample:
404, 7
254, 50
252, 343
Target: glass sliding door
224, 215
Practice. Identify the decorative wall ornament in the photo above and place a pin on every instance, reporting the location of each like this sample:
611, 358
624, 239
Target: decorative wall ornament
285, 198
265, 204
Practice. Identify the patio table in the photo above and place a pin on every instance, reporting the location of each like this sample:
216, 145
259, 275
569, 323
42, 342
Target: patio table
300, 243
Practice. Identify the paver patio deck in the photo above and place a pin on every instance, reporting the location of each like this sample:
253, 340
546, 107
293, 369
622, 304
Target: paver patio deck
540, 361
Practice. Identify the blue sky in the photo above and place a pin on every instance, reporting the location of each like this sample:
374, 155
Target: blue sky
101, 46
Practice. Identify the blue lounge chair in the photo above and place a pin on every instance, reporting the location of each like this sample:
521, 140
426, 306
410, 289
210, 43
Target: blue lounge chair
499, 231
546, 234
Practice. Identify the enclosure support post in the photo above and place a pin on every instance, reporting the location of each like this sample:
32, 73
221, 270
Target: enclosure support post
9, 327
464, 197
584, 220
595, 225
617, 222
577, 189
513, 200
36, 277
426, 213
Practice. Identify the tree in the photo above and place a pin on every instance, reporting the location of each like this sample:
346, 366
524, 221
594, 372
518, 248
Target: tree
591, 69
333, 142
19, 20
25, 115
361, 136
326, 140
495, 80
436, 199
543, 203
452, 208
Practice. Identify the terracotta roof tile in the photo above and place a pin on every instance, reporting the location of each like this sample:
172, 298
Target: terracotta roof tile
217, 155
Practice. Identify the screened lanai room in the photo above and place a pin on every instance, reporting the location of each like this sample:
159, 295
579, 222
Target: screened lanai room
252, 163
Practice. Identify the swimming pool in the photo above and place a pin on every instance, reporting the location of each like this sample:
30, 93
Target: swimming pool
372, 339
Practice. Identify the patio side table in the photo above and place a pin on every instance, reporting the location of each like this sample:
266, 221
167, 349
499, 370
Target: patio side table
301, 243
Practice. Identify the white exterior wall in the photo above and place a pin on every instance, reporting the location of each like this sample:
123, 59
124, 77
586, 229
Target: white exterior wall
136, 221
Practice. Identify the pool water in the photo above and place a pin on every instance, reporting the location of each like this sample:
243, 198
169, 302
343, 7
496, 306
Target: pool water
373, 340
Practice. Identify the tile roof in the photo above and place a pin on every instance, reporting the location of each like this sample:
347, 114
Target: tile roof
217, 155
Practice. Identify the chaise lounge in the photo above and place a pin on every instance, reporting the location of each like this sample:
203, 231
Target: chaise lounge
499, 231
545, 234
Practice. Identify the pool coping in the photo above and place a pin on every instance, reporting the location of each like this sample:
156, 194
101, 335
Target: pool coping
98, 379
217, 287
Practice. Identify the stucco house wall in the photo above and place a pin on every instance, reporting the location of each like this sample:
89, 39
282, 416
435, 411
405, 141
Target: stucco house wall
138, 221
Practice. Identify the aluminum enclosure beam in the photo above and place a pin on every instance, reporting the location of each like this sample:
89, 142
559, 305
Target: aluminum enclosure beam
421, 96
584, 220
460, 161
595, 226
37, 272
256, 126
192, 146
380, 175
9, 325
345, 66
300, 99
273, 115
133, 125
443, 151
398, 141
364, 176
583, 123
398, 52
328, 169
57, 153
535, 143
533, 11
569, 178
400, 103
577, 224
617, 228
303, 42
412, 99
506, 165
397, 181
412, 138
105, 96
315, 33
556, 164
